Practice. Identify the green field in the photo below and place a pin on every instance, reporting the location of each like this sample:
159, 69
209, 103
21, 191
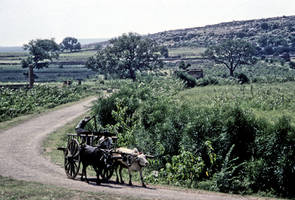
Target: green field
68, 67
15, 73
76, 56
186, 52
15, 58
270, 101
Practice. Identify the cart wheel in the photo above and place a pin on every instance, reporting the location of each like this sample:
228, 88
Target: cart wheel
72, 159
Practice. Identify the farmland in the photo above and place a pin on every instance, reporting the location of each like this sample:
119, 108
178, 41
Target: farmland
270, 101
19, 102
69, 66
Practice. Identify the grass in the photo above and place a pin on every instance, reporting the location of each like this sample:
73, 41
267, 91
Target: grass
269, 101
58, 139
11, 189
76, 56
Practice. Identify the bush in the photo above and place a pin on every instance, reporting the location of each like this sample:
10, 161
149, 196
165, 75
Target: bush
189, 81
292, 64
184, 169
218, 146
209, 80
243, 78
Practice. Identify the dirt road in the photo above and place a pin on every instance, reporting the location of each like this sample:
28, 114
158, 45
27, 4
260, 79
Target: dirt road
20, 158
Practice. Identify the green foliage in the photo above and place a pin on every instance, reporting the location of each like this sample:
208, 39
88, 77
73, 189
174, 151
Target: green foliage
125, 56
184, 169
232, 54
243, 78
40, 53
71, 44
276, 148
230, 177
240, 130
208, 137
184, 66
123, 128
23, 101
189, 80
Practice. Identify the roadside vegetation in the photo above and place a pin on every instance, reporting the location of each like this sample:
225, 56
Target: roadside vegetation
23, 101
222, 138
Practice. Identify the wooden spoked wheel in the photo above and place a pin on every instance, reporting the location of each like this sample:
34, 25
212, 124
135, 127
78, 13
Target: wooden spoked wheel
72, 159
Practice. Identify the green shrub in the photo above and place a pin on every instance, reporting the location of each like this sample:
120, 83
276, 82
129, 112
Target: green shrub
209, 141
23, 101
189, 80
184, 169
243, 78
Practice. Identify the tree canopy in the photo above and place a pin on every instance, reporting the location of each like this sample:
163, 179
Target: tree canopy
41, 53
71, 44
232, 53
126, 55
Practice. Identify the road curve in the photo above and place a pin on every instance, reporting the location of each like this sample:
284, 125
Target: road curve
21, 158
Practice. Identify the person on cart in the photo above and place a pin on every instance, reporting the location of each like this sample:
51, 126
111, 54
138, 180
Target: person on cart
80, 128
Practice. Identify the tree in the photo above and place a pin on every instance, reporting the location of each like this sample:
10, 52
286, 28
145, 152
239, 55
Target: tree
71, 44
232, 53
125, 56
41, 53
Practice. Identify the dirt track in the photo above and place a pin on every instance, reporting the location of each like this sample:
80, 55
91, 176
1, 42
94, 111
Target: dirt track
20, 158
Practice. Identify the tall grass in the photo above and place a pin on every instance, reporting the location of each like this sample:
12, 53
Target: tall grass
267, 100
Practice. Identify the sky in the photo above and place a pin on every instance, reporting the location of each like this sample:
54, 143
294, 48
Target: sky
24, 20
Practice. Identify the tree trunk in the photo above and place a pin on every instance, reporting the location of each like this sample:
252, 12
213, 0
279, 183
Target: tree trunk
31, 76
133, 75
231, 72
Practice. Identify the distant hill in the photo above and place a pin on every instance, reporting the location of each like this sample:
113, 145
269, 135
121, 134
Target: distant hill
85, 41
281, 28
11, 49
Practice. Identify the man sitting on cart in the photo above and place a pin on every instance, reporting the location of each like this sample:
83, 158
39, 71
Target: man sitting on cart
80, 128
104, 140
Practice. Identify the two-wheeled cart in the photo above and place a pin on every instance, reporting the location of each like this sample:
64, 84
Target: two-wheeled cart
72, 152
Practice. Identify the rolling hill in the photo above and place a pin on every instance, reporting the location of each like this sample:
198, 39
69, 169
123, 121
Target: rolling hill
251, 30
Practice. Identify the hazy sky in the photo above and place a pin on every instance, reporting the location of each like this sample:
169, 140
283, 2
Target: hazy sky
23, 20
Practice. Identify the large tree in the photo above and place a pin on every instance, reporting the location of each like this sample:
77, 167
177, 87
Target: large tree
71, 44
232, 53
41, 53
125, 56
